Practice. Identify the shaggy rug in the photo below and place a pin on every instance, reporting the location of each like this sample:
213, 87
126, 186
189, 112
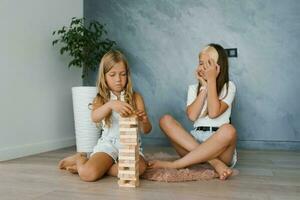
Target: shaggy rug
193, 173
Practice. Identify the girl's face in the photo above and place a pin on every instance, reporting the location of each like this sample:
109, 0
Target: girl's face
204, 58
116, 77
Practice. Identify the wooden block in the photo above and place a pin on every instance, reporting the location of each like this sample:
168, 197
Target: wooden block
128, 150
130, 154
134, 157
130, 130
127, 168
129, 183
128, 125
128, 136
128, 120
129, 172
128, 163
124, 122
129, 141
128, 176
129, 133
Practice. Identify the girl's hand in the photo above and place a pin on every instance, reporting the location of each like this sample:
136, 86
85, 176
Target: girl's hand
200, 75
212, 69
123, 108
142, 116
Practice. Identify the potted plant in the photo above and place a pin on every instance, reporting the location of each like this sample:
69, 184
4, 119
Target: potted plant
85, 43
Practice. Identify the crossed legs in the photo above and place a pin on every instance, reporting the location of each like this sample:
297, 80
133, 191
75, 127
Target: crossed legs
216, 150
95, 167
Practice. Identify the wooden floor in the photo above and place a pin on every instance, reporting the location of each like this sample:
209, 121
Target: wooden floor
263, 175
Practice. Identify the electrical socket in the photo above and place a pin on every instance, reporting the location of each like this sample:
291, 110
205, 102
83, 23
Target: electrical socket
232, 52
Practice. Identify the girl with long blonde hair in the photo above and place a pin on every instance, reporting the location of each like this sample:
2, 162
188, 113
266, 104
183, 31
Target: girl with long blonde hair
115, 98
213, 138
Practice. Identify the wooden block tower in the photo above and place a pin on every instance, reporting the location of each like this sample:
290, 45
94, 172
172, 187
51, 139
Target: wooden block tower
128, 153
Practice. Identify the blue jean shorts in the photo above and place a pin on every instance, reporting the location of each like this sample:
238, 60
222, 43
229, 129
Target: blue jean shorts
111, 147
201, 136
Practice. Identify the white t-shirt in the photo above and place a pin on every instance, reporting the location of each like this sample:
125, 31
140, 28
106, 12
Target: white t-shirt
222, 119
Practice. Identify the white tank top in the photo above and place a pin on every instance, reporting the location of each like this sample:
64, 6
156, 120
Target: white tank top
112, 132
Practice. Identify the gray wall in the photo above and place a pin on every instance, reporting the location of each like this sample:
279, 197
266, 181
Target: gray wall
163, 38
36, 113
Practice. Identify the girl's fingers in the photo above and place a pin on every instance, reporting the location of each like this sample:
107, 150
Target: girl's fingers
202, 73
128, 106
122, 114
126, 111
141, 113
198, 75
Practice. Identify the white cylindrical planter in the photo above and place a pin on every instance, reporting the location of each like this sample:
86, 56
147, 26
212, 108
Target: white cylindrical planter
87, 134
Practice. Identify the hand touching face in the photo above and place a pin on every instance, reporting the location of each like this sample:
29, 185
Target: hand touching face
207, 68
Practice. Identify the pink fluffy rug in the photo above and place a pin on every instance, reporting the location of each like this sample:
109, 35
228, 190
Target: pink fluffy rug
193, 173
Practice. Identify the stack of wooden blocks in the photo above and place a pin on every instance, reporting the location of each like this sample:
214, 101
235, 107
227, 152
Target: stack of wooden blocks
128, 153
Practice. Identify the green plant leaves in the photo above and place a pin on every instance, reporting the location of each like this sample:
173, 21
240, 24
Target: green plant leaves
84, 42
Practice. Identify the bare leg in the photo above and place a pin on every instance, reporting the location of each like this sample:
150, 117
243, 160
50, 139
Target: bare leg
208, 150
69, 161
182, 140
113, 171
91, 169
221, 168
94, 168
175, 132
226, 157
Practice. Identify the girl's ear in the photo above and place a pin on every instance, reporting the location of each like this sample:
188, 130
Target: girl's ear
218, 68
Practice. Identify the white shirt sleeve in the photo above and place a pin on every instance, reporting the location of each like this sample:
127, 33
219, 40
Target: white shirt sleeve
192, 94
230, 95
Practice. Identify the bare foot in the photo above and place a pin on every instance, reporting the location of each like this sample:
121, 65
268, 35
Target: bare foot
72, 169
69, 161
155, 164
222, 169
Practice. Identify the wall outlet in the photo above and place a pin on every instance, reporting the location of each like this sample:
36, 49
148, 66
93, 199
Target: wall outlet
232, 52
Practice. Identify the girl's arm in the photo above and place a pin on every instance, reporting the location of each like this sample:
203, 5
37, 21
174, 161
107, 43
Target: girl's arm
193, 111
144, 122
101, 112
215, 106
98, 114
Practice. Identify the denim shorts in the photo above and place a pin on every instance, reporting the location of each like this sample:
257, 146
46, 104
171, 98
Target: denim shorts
201, 136
111, 147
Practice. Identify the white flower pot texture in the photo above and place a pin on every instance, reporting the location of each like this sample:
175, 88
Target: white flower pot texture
86, 132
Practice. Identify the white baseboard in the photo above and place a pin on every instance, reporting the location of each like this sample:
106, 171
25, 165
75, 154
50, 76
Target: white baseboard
31, 149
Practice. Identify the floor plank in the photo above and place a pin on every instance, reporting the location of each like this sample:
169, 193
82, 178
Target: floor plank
263, 175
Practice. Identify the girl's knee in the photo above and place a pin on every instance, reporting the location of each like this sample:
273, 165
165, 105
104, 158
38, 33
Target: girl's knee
89, 173
229, 132
164, 120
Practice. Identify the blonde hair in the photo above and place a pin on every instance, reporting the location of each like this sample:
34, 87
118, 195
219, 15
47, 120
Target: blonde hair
211, 51
103, 96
